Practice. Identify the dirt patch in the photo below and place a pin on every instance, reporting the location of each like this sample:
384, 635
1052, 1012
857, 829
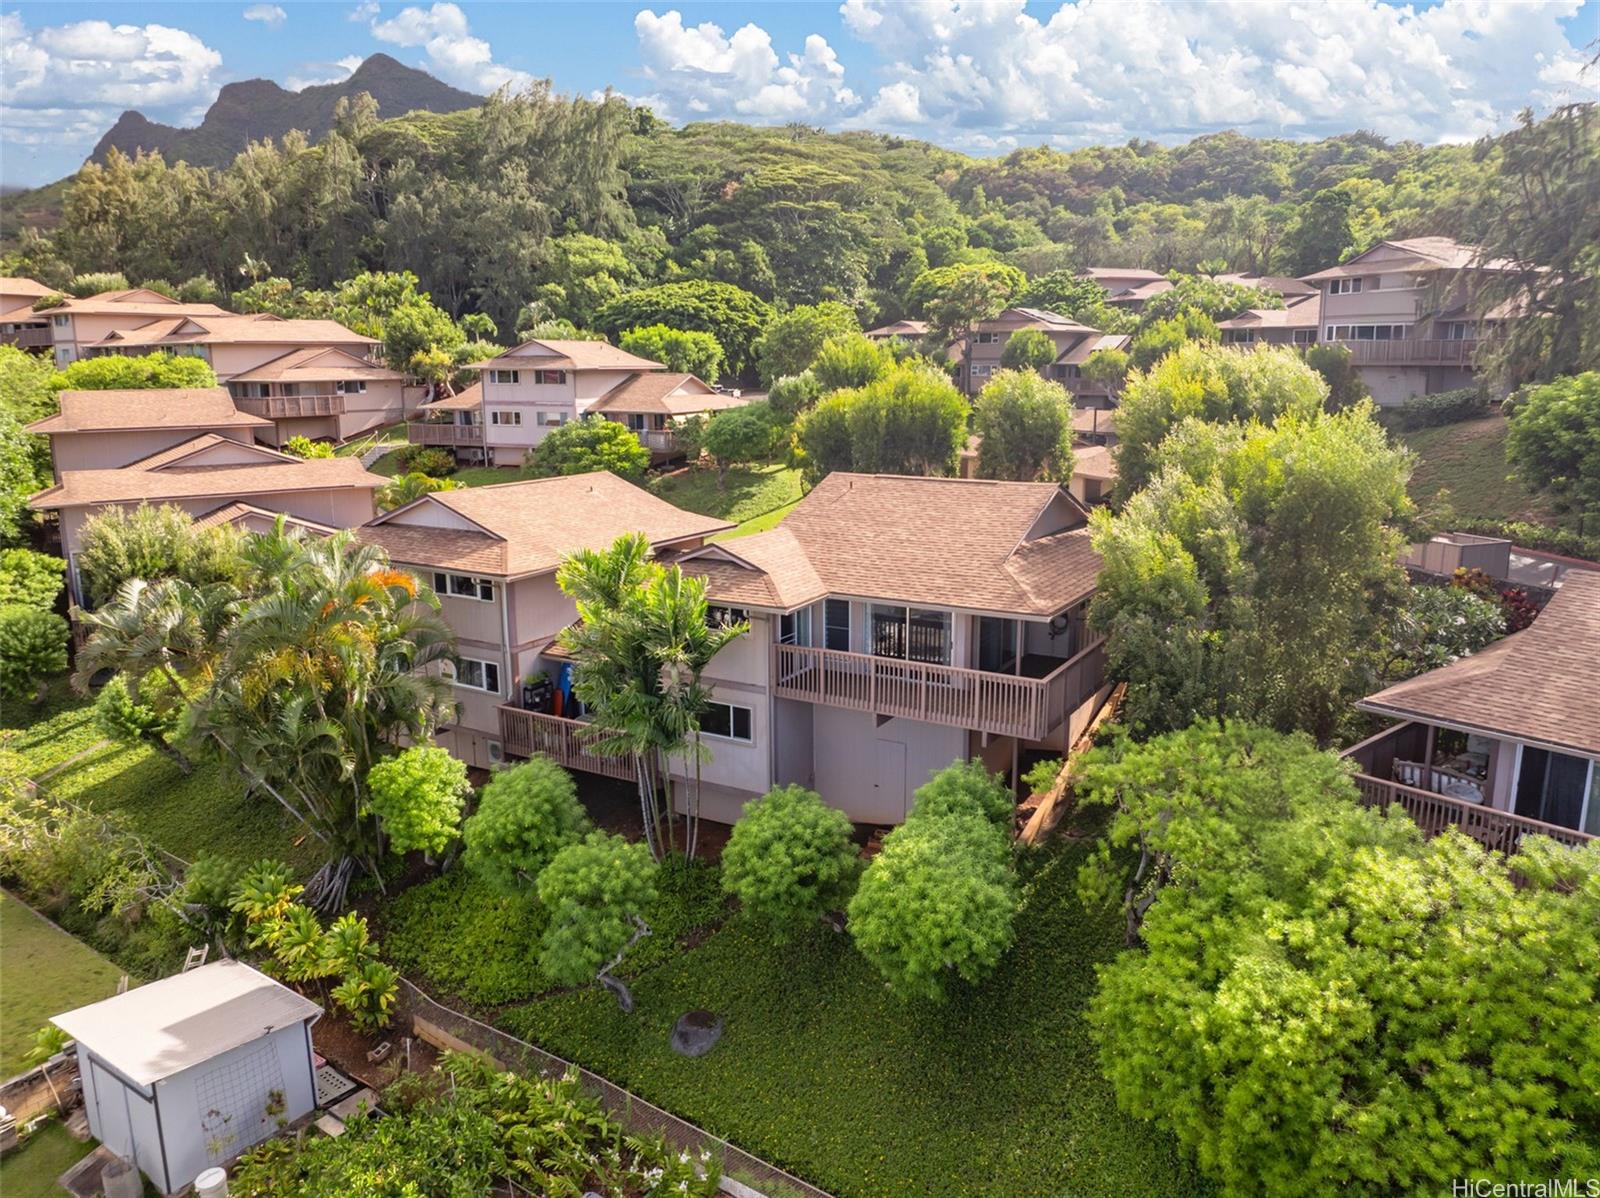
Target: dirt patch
347, 1048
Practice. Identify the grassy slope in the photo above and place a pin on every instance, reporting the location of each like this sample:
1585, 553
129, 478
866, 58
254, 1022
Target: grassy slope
204, 812
466, 476
46, 972
1469, 460
823, 1071
747, 495
31, 1171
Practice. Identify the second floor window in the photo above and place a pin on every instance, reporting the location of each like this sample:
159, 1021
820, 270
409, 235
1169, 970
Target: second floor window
61, 322
1305, 336
504, 376
351, 387
915, 634
478, 675
550, 377
463, 586
507, 418
985, 338
1344, 286
555, 419
794, 628
635, 421
718, 616
836, 624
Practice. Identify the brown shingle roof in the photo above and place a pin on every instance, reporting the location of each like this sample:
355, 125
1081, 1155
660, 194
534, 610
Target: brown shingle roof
242, 513
771, 570
227, 329
527, 527
316, 363
1080, 350
137, 302
1094, 421
941, 542
19, 285
1301, 312
662, 393
1541, 684
165, 458
140, 483
465, 400
125, 411
568, 355
900, 328
1121, 272
1142, 292
1094, 461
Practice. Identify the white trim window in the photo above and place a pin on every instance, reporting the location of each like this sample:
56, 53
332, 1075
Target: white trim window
794, 627
478, 675
726, 721
836, 624
1344, 286
1368, 332
721, 616
550, 419
511, 419
985, 338
1556, 788
503, 376
463, 586
1305, 336
550, 378
61, 322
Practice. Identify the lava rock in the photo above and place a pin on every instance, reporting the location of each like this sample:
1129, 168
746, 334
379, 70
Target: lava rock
696, 1033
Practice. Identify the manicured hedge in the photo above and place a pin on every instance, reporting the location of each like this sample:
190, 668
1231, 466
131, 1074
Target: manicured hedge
1444, 407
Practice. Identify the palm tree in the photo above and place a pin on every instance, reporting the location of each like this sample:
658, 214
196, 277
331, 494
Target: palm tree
328, 668
641, 642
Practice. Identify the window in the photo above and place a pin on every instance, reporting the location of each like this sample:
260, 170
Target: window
718, 616
1238, 336
61, 322
1344, 286
635, 421
554, 419
1368, 332
463, 586
506, 418
794, 628
550, 377
726, 720
985, 338
504, 376
836, 624
352, 387
1305, 336
478, 675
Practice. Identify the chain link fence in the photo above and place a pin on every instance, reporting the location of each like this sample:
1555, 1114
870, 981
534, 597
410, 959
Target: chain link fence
749, 1174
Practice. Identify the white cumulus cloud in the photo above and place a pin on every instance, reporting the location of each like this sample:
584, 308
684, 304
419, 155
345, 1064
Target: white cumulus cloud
89, 68
454, 54
992, 74
270, 15
700, 71
312, 74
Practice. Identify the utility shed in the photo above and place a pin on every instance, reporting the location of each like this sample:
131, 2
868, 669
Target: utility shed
188, 1072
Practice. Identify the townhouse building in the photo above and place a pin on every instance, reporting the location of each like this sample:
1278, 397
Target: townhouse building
231, 345
490, 554
1297, 323
326, 393
20, 325
77, 324
103, 430
979, 353
1407, 310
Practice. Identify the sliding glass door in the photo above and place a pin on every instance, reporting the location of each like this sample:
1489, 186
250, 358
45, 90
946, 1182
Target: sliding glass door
912, 634
1558, 789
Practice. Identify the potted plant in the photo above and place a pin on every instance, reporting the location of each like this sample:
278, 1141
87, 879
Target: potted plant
536, 691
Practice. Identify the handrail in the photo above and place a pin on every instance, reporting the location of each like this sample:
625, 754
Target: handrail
525, 733
955, 696
438, 432
1433, 813
289, 406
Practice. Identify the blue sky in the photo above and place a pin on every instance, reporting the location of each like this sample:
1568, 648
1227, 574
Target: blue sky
982, 76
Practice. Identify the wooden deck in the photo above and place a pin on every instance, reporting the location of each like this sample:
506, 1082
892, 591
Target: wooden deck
439, 432
1433, 813
566, 742
1000, 704
288, 407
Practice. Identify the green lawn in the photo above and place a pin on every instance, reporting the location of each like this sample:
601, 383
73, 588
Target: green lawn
1469, 460
822, 1071
466, 476
203, 812
758, 523
46, 972
31, 1171
747, 495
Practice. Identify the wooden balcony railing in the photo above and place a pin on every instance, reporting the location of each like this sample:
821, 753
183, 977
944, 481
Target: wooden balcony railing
659, 440
28, 337
288, 407
564, 741
1439, 780
435, 432
1001, 704
1433, 813
1411, 352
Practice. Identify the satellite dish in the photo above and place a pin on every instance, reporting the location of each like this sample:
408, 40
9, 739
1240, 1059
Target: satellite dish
1059, 625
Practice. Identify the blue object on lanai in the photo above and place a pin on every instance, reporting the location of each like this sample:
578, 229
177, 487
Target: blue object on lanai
564, 684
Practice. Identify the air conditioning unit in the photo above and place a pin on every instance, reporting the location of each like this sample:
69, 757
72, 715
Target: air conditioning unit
497, 752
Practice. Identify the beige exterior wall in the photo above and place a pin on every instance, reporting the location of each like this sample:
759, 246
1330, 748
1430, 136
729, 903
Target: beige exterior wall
869, 770
109, 449
536, 402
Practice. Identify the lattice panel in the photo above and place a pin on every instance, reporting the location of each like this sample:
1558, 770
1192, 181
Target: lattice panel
233, 1100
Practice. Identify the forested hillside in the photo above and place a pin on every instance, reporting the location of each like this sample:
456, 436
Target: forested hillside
571, 202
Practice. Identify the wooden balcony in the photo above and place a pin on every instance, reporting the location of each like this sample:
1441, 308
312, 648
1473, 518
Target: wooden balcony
1433, 813
290, 407
28, 337
980, 700
438, 432
1411, 352
659, 440
566, 742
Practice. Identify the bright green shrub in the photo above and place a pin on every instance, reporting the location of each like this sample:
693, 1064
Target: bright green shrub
305, 447
964, 788
790, 859
30, 579
1553, 442
936, 904
368, 996
151, 543
1444, 407
596, 892
526, 815
793, 394
592, 443
33, 648
417, 796
850, 361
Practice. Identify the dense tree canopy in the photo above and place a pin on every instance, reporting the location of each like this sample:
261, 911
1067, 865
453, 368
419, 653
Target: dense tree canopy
731, 314
1554, 440
908, 421
688, 351
1304, 956
590, 443
1025, 423
791, 342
